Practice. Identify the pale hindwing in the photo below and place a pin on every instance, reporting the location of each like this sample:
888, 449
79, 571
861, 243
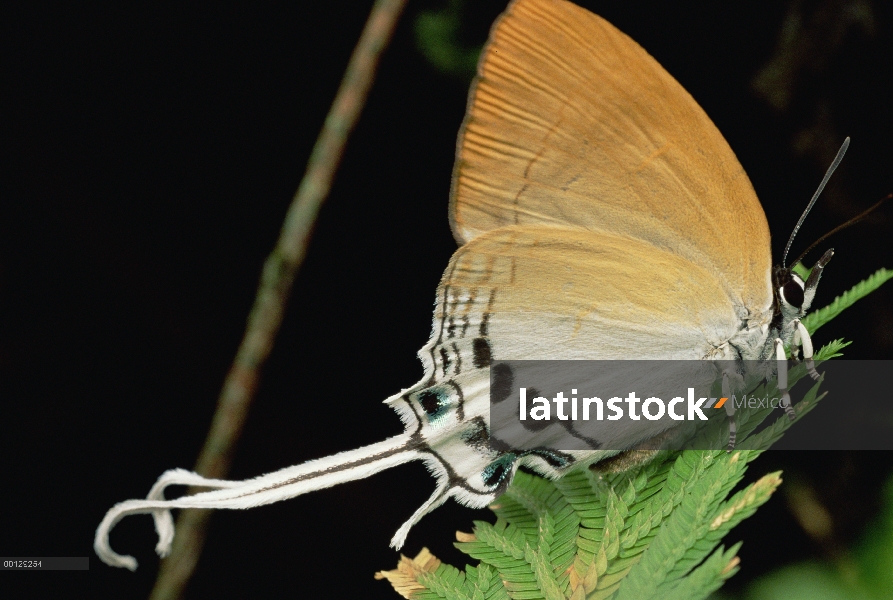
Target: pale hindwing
575, 295
538, 292
572, 123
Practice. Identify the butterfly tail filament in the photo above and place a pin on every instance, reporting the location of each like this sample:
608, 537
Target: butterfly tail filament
266, 489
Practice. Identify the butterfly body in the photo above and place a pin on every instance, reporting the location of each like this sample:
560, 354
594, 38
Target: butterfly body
600, 216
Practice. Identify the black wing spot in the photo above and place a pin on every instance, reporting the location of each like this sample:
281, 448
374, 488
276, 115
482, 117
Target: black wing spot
477, 435
497, 445
496, 471
430, 402
556, 460
458, 356
502, 380
593, 443
482, 353
445, 360
533, 424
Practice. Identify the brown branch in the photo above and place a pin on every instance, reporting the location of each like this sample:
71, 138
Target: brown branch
275, 286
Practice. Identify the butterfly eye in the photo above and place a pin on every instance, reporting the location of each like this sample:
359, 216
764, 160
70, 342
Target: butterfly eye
496, 472
792, 292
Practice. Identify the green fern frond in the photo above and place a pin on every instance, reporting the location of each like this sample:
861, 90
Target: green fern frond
831, 349
651, 531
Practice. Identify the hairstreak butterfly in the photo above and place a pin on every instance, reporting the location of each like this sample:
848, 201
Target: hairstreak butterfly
591, 199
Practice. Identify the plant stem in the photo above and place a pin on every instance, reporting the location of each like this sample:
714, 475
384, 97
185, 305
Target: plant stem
273, 291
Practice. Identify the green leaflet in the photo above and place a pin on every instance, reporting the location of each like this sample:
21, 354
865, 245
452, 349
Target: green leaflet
652, 531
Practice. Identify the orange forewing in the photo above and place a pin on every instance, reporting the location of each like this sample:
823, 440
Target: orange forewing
572, 124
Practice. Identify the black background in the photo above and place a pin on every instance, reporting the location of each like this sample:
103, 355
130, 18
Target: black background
152, 150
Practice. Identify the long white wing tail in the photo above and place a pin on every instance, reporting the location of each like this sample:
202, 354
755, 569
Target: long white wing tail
266, 489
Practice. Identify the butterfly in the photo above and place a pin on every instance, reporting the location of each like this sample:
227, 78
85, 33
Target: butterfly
594, 204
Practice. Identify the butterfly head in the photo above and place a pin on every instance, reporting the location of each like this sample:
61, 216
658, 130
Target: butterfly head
793, 294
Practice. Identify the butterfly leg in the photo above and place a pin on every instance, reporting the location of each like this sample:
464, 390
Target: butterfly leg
801, 339
439, 496
730, 411
783, 379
